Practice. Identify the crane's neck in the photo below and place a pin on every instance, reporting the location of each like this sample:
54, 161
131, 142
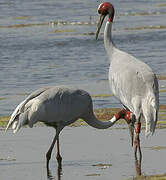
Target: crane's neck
94, 122
108, 43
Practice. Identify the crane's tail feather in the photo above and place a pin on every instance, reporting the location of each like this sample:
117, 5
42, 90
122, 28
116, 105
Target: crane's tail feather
150, 113
17, 120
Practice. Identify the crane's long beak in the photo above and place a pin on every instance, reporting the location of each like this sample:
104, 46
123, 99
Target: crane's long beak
101, 19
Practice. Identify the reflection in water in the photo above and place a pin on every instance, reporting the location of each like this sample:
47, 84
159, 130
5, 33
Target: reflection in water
51, 177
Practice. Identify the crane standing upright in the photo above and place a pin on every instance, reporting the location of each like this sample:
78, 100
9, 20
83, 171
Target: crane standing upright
131, 80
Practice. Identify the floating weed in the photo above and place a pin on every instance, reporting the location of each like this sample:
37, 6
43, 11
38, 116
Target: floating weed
89, 33
102, 95
162, 90
4, 120
94, 174
162, 107
78, 123
102, 166
161, 77
24, 25
52, 66
161, 5
141, 14
152, 177
63, 31
156, 148
1, 98
145, 27
23, 18
7, 159
73, 23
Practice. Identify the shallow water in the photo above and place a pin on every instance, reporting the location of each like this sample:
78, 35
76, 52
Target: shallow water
51, 42
44, 43
22, 156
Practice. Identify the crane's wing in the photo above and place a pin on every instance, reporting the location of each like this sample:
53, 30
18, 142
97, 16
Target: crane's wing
20, 108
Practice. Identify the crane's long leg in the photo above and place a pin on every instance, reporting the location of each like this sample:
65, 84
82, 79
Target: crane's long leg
137, 141
138, 167
48, 154
58, 156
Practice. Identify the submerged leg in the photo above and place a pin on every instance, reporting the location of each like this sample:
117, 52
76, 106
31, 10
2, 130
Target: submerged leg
137, 141
48, 154
138, 167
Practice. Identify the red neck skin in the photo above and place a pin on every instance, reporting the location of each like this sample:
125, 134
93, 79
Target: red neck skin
127, 115
111, 14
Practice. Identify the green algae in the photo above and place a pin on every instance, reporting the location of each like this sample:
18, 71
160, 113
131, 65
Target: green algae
162, 90
161, 5
94, 174
24, 25
157, 148
161, 77
1, 98
4, 120
23, 17
151, 177
102, 95
102, 165
63, 31
145, 27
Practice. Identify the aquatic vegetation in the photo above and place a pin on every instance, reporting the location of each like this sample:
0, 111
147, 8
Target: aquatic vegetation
162, 90
161, 5
7, 159
2, 98
141, 13
89, 33
93, 174
145, 28
63, 30
152, 177
4, 120
102, 95
23, 17
52, 66
73, 23
161, 77
102, 166
24, 25
157, 148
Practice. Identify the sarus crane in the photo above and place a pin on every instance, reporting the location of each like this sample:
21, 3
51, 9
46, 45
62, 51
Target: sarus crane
131, 80
59, 106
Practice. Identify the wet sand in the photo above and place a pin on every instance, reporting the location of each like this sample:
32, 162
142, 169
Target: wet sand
22, 155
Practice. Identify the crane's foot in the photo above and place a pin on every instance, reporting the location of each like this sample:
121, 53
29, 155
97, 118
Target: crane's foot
138, 167
137, 141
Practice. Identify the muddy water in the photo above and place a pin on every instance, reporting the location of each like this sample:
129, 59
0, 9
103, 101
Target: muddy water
83, 149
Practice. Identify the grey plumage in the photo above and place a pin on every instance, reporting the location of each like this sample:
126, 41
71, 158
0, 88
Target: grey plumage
131, 80
56, 106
